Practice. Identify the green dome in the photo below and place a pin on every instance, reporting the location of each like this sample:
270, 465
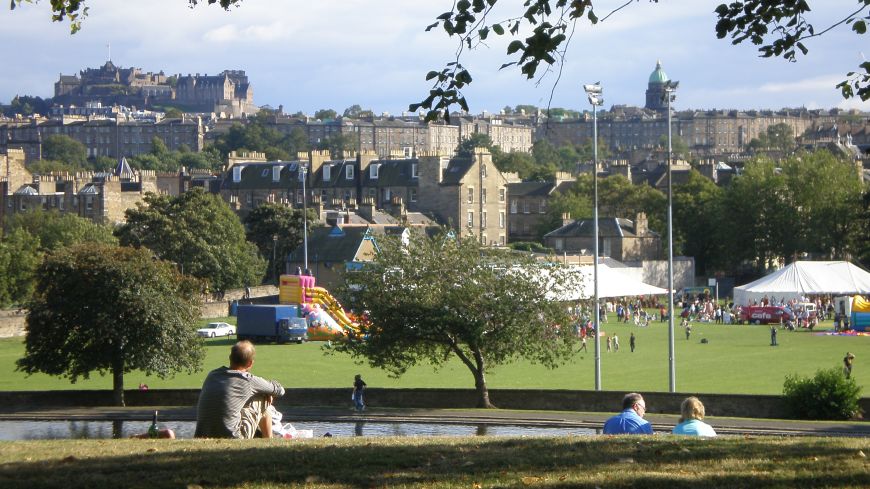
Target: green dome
658, 75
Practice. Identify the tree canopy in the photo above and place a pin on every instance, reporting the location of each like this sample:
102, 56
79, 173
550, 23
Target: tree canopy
108, 309
441, 297
270, 221
199, 232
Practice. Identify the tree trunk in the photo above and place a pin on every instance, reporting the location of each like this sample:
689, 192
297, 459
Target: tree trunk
480, 382
118, 381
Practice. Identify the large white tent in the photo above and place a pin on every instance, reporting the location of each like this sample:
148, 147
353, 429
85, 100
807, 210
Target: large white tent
803, 278
611, 283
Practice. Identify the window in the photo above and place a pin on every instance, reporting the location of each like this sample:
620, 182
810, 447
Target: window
276, 173
542, 206
373, 171
89, 202
501, 240
513, 206
249, 198
470, 195
525, 207
327, 172
237, 174
501, 219
501, 194
348, 172
483, 219
60, 201
470, 220
483, 196
483, 171
414, 170
265, 173
559, 244
413, 196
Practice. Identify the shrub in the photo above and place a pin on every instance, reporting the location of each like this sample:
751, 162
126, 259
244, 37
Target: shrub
827, 395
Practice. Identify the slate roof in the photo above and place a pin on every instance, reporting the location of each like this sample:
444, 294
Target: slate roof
333, 244
259, 176
26, 190
608, 227
89, 189
456, 170
530, 189
391, 173
123, 169
337, 175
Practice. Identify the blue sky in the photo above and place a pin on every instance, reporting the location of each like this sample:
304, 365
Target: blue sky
309, 55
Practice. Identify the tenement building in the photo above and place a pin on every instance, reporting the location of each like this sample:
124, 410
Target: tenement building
468, 194
705, 132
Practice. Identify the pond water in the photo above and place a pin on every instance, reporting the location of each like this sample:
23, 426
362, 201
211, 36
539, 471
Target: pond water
56, 430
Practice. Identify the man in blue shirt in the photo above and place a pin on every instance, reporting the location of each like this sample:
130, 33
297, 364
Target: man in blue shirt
630, 421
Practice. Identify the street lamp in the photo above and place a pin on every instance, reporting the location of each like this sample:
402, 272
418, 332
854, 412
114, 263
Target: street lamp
594, 93
671, 95
275, 256
303, 175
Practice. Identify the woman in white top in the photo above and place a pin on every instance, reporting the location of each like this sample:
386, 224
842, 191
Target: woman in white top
691, 414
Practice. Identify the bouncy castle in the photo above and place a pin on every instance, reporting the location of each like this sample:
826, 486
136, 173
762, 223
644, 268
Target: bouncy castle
327, 319
860, 320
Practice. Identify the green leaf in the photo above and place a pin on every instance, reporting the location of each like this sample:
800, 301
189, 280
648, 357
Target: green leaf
498, 29
515, 46
859, 27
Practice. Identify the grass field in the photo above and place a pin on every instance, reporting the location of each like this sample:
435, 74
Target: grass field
662, 461
736, 359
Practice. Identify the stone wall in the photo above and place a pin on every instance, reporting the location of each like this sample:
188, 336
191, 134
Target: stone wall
732, 405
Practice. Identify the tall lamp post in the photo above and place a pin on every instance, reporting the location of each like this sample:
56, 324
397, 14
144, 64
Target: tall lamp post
594, 93
670, 96
303, 175
275, 269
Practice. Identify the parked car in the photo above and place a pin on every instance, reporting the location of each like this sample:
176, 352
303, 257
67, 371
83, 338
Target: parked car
765, 314
216, 329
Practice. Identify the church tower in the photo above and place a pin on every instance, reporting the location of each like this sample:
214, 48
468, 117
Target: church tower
655, 92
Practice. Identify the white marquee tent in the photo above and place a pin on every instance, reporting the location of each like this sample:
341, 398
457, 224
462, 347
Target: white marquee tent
803, 278
611, 283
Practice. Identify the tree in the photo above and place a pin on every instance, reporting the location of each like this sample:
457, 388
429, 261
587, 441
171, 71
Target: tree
102, 308
270, 221
339, 144
55, 230
19, 257
492, 309
326, 114
25, 105
475, 140
697, 213
199, 232
353, 111
65, 149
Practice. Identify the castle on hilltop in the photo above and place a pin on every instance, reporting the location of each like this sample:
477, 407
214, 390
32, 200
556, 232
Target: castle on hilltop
229, 92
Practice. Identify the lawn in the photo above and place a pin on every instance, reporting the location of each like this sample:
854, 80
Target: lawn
661, 461
736, 359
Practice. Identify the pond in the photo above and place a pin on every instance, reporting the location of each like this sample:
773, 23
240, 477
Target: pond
58, 429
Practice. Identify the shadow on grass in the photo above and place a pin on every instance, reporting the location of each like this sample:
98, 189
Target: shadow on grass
662, 461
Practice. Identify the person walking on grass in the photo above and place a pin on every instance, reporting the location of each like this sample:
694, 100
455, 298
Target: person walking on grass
609, 343
631, 342
583, 344
615, 343
359, 387
773, 336
688, 331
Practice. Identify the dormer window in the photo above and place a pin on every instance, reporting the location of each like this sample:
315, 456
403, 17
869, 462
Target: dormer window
348, 172
276, 173
374, 169
237, 174
414, 170
327, 172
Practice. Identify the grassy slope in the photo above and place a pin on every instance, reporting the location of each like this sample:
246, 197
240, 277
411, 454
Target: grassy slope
737, 359
467, 463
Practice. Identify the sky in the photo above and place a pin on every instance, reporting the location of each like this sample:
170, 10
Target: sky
309, 55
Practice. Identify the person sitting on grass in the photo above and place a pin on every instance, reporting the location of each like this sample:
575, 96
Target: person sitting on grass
233, 403
630, 421
691, 414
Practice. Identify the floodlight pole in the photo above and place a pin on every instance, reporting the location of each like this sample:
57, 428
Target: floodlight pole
594, 92
670, 96
304, 170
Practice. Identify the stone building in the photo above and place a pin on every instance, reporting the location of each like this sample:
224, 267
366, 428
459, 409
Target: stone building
706, 132
102, 197
105, 137
528, 203
229, 92
507, 135
618, 238
468, 194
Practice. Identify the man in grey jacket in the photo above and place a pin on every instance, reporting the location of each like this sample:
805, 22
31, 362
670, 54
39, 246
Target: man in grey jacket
233, 403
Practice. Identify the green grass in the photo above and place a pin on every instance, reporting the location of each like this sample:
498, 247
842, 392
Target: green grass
662, 461
737, 359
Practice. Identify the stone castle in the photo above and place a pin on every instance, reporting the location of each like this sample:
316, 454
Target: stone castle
229, 92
